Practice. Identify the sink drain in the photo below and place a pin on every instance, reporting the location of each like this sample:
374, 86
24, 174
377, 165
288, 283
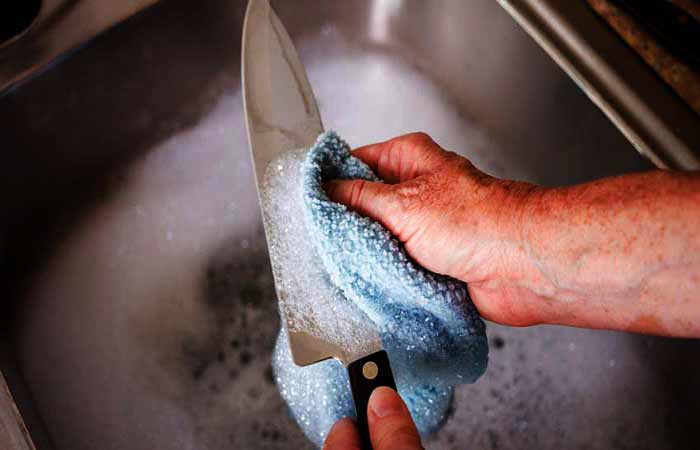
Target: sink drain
16, 17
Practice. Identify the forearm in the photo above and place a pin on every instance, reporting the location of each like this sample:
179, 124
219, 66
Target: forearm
619, 253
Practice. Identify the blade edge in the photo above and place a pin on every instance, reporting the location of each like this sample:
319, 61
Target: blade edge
305, 348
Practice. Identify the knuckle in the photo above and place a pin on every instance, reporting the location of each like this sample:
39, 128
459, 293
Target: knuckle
455, 167
419, 140
420, 137
391, 157
357, 189
461, 162
410, 196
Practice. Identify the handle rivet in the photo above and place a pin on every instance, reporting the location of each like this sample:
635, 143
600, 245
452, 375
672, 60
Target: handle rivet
370, 370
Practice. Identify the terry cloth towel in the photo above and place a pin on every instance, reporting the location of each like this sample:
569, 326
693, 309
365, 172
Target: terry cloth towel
429, 327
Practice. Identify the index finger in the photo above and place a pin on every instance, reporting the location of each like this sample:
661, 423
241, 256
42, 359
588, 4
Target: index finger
343, 436
402, 158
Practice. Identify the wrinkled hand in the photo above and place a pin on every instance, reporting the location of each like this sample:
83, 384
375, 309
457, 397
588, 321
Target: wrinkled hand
390, 426
452, 219
621, 253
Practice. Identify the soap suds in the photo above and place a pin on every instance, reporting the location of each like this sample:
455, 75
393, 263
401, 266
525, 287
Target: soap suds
311, 303
343, 276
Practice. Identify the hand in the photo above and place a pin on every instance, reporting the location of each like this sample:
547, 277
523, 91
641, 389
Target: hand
390, 426
452, 219
619, 253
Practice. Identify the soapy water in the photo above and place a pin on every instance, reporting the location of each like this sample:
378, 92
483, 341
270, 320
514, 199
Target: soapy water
391, 96
312, 304
427, 321
345, 276
318, 395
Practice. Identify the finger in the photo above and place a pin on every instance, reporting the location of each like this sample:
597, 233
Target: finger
390, 424
371, 199
402, 158
343, 436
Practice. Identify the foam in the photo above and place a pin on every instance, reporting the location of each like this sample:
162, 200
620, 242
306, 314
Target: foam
428, 325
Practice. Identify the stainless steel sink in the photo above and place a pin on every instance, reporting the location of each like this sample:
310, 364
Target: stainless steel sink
134, 265
37, 33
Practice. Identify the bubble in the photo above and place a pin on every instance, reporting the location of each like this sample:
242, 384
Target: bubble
344, 277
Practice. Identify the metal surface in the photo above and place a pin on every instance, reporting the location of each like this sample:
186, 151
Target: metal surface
19, 21
61, 26
650, 115
281, 115
280, 109
676, 29
132, 243
13, 432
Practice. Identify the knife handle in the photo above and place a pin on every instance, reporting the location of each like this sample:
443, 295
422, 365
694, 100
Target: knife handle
367, 374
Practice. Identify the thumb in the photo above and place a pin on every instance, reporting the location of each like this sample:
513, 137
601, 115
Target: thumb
390, 424
369, 198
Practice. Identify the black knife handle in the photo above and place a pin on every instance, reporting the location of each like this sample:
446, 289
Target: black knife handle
366, 375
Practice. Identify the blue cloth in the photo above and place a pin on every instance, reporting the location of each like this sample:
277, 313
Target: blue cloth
429, 327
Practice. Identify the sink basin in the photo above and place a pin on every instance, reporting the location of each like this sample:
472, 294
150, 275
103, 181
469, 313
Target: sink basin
141, 310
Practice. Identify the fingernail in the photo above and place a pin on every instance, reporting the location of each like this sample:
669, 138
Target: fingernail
385, 401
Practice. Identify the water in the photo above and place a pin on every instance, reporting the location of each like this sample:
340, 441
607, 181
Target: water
309, 301
341, 277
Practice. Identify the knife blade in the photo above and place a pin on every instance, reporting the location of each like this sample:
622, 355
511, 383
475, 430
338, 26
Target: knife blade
282, 116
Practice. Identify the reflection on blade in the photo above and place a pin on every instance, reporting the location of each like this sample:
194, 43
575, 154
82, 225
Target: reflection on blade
321, 323
282, 116
281, 112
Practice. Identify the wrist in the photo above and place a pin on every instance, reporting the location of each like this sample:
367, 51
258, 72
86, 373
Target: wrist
528, 273
505, 281
523, 213
553, 245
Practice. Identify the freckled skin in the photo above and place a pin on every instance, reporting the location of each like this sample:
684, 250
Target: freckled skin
619, 253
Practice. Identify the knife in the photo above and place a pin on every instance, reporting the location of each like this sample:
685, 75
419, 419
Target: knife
281, 115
